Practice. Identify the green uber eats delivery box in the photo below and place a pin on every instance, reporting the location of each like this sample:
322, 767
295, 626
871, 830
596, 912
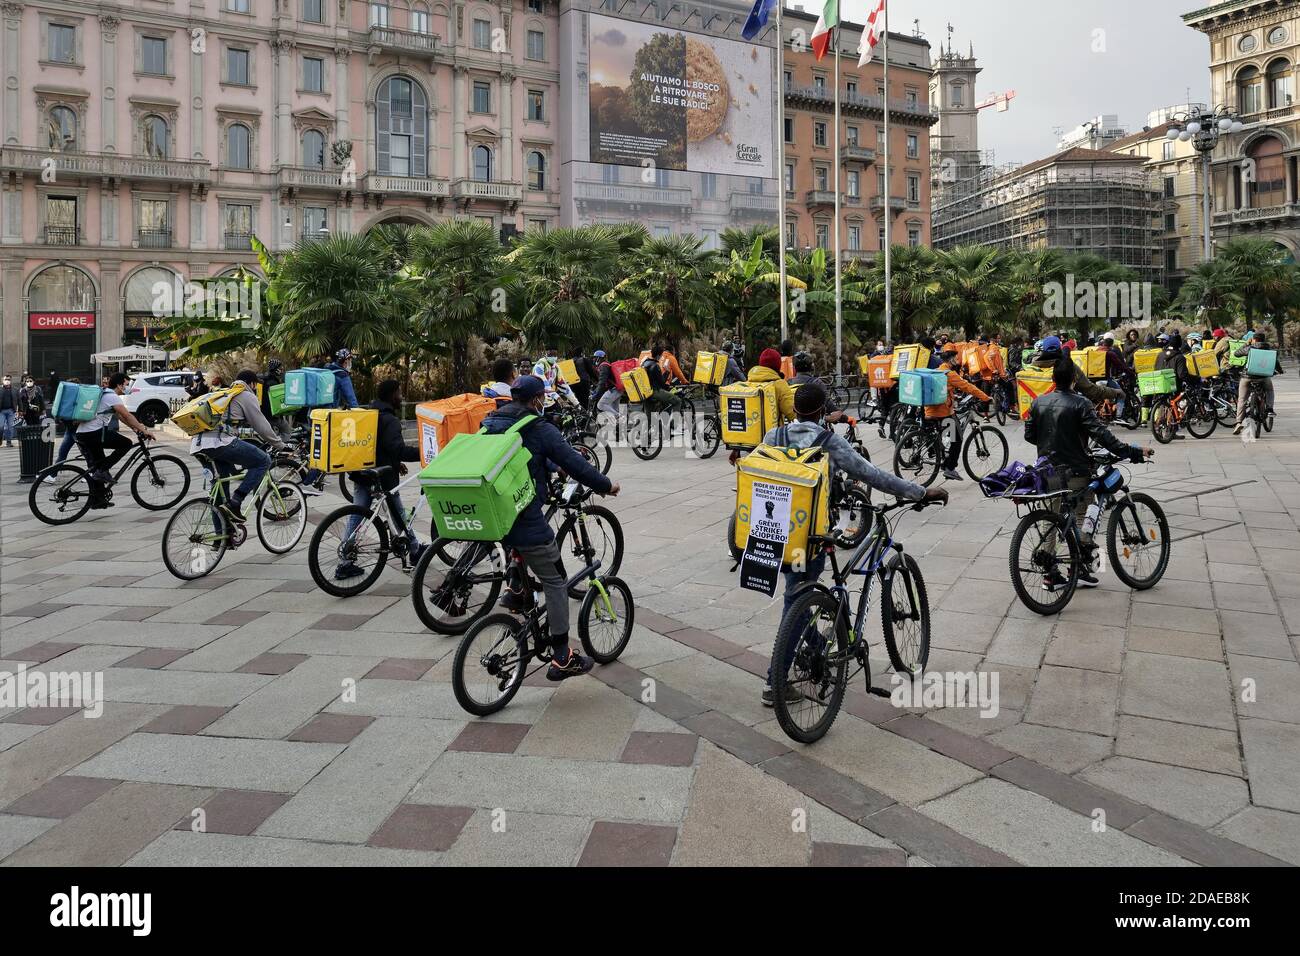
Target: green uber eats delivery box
477, 486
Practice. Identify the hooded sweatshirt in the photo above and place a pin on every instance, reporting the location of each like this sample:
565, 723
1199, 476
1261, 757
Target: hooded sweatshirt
762, 375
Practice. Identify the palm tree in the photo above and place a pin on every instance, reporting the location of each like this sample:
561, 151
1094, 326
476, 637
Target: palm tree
1262, 275
975, 286
337, 292
811, 277
742, 240
1211, 291
916, 284
1032, 276
457, 275
1099, 273
564, 275
744, 285
230, 328
667, 290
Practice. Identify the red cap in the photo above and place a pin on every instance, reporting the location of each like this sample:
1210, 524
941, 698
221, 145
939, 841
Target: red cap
770, 358
1218, 333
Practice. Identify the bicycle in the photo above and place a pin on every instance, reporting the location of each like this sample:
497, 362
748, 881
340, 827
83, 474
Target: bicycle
1188, 409
1257, 410
198, 533
61, 493
466, 581
920, 451
645, 432
1137, 531
503, 645
1108, 409
579, 430
816, 637
292, 465
369, 544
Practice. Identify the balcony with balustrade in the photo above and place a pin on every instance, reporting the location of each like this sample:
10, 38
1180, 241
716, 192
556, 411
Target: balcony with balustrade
745, 203
897, 204
393, 40
379, 187
634, 194
62, 236
156, 238
471, 191
106, 167
295, 179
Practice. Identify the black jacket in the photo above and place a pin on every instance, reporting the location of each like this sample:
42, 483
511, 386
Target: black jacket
1063, 424
656, 374
1082, 384
390, 448
549, 449
268, 380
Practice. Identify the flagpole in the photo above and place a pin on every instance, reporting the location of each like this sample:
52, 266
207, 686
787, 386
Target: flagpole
889, 282
780, 166
836, 172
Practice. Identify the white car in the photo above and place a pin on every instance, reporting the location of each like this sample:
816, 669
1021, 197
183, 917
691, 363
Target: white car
152, 397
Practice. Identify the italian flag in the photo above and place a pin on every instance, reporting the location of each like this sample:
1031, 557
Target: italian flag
826, 24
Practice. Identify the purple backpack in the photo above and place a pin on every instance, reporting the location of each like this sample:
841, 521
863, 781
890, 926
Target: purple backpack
1020, 479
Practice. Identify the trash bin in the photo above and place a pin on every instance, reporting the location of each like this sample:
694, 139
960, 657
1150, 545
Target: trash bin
34, 453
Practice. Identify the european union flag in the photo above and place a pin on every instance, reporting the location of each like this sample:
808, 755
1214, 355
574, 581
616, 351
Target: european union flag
758, 18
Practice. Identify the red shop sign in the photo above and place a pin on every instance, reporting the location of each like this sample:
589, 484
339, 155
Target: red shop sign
60, 321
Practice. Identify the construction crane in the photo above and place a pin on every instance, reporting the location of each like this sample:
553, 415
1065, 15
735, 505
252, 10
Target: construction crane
1001, 100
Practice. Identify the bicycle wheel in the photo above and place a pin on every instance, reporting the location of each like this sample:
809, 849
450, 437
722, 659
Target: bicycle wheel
586, 453
905, 617
605, 619
60, 495
195, 539
285, 468
867, 408
644, 436
916, 457
707, 436
345, 564
605, 535
809, 690
282, 517
448, 598
838, 396
345, 487
985, 452
1225, 410
1201, 422
160, 482
489, 665
1162, 421
736, 552
1044, 562
604, 454
853, 514
1001, 403
1137, 539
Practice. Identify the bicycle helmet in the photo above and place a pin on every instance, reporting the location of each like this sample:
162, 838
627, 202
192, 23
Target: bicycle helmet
1194, 339
274, 366
342, 355
803, 362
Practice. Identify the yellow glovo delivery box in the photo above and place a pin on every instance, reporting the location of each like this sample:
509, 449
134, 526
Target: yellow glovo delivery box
344, 440
783, 494
1203, 364
710, 368
749, 410
636, 383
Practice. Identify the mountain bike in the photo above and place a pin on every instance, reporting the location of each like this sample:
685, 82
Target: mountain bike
919, 451
198, 534
367, 546
579, 429
1047, 553
820, 641
492, 660
1222, 398
647, 428
457, 582
293, 464
61, 493
1257, 410
1188, 410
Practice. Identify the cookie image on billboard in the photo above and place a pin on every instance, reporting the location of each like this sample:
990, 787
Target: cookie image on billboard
710, 96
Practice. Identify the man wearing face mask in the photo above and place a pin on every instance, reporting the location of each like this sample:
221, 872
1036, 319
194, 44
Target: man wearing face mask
31, 402
8, 410
531, 536
547, 370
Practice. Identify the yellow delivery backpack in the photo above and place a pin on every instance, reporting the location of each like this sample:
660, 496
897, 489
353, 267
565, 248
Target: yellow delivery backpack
749, 411
343, 439
790, 488
710, 368
206, 412
636, 383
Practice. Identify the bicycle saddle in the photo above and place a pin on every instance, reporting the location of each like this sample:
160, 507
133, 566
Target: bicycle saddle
372, 474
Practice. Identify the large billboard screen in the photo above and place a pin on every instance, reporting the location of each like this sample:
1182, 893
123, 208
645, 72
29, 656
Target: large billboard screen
679, 101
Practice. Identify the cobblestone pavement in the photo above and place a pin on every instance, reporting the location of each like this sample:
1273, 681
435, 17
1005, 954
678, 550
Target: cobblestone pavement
1127, 731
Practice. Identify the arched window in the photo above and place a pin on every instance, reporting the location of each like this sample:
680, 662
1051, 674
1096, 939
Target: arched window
1279, 84
147, 288
536, 170
313, 149
1249, 91
401, 128
482, 156
238, 147
1269, 188
155, 137
63, 129
420, 19
62, 289
958, 95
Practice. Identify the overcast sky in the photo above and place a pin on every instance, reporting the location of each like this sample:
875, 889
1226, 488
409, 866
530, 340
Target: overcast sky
1043, 49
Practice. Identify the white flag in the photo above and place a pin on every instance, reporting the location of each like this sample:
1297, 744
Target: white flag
871, 34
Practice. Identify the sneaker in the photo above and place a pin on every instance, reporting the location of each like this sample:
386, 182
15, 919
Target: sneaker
951, 474
347, 570
514, 601
48, 480
1179, 436
574, 666
1052, 581
100, 504
1087, 579
791, 695
312, 491
232, 511
1236, 431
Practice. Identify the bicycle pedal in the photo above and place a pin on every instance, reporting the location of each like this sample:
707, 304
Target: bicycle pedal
878, 692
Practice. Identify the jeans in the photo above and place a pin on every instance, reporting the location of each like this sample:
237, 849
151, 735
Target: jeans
608, 403
7, 424
1119, 387
362, 495
65, 447
544, 561
955, 433
793, 579
240, 454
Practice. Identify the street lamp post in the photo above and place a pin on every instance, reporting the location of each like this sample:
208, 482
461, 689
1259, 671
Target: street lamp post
1202, 128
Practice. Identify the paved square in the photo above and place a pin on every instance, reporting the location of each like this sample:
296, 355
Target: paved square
250, 719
